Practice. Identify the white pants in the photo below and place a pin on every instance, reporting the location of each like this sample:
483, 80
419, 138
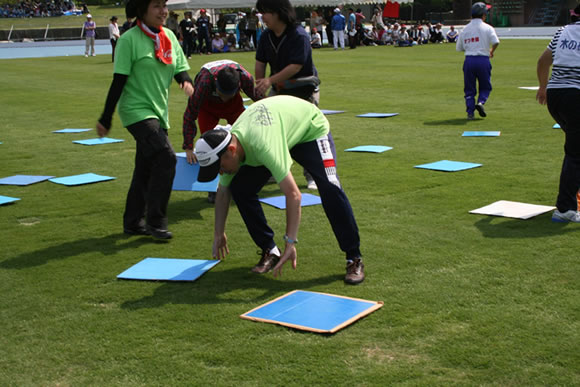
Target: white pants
90, 42
338, 36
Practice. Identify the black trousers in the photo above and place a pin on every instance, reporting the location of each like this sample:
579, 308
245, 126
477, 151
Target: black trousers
316, 158
563, 105
152, 181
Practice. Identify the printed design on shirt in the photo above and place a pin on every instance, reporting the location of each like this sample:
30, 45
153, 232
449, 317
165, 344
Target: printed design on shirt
261, 115
328, 160
471, 40
566, 44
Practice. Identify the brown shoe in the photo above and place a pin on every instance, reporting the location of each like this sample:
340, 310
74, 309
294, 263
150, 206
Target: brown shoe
267, 262
355, 272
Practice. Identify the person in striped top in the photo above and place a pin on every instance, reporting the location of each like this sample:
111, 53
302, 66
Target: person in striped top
562, 95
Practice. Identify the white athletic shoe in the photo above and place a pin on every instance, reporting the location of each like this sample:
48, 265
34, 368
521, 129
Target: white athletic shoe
565, 217
311, 184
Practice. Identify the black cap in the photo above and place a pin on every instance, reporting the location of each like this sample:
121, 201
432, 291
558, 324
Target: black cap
208, 150
478, 9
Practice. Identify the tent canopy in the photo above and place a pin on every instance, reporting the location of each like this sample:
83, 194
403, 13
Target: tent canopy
218, 4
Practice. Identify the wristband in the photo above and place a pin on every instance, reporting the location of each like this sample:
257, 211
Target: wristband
287, 239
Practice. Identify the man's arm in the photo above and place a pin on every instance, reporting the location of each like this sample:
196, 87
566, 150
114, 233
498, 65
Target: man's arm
222, 205
262, 85
492, 50
543, 71
293, 214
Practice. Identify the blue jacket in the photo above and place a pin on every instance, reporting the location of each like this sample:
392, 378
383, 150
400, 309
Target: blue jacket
338, 22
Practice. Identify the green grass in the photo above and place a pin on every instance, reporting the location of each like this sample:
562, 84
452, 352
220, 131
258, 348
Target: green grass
469, 299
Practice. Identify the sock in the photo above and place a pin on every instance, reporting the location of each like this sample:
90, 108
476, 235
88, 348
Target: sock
275, 251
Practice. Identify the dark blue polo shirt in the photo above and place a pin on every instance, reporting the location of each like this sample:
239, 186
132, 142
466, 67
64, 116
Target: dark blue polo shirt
293, 47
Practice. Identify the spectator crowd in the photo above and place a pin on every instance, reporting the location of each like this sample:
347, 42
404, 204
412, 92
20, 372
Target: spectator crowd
45, 8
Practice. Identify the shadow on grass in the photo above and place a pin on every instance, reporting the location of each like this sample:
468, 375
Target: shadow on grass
187, 209
538, 227
231, 286
108, 245
454, 121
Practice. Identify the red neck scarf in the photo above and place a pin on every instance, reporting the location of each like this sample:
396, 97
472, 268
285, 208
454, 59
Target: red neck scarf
161, 41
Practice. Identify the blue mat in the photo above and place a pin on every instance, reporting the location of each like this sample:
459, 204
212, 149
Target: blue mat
71, 130
369, 148
556, 126
23, 179
312, 311
280, 201
7, 199
377, 115
480, 134
86, 178
168, 269
186, 177
98, 141
448, 166
329, 112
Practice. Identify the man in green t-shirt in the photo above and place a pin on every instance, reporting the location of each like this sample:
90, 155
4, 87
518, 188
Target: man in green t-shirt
262, 143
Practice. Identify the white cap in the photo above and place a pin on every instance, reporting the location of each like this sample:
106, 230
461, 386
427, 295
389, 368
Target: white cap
89, 16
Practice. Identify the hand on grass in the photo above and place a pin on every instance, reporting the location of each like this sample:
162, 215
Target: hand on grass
220, 246
101, 130
289, 254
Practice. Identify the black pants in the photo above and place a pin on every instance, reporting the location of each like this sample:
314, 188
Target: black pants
152, 181
203, 36
188, 45
113, 45
563, 105
316, 157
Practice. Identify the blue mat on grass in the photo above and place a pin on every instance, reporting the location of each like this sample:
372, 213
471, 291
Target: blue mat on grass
23, 179
168, 269
329, 112
449, 166
85, 178
369, 148
312, 311
98, 141
71, 130
377, 115
280, 201
480, 134
7, 199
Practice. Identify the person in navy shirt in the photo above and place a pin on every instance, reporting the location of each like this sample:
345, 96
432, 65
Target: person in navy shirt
203, 27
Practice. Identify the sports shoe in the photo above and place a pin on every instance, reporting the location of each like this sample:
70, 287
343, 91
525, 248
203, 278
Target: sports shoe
470, 116
311, 184
160, 234
480, 110
140, 230
355, 272
565, 217
267, 262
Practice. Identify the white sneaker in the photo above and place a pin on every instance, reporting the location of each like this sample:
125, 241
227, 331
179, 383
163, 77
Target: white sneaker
311, 184
86, 56
94, 55
568, 216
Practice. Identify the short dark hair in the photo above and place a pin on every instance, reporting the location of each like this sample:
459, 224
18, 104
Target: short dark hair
137, 8
282, 8
228, 80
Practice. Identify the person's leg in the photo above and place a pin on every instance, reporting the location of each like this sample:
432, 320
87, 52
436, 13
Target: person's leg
317, 158
206, 119
158, 155
245, 187
469, 85
134, 215
563, 106
93, 46
113, 44
335, 40
87, 46
484, 79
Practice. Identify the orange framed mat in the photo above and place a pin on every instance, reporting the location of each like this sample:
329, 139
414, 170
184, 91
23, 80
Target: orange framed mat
313, 311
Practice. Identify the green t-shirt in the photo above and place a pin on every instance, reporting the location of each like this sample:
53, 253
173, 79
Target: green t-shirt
269, 128
146, 93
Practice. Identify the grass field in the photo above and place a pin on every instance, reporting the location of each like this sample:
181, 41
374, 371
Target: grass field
469, 299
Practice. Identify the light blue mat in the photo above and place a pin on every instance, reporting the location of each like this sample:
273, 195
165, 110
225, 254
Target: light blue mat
23, 179
369, 148
329, 112
448, 166
377, 115
71, 130
7, 199
186, 177
312, 311
556, 126
98, 141
86, 178
168, 269
280, 201
480, 134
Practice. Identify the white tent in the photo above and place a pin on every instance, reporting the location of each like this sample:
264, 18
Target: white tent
217, 4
